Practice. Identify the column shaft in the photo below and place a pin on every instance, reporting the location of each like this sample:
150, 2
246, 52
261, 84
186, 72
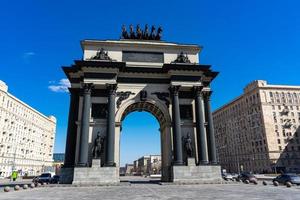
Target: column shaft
210, 129
84, 131
177, 138
200, 127
72, 129
110, 145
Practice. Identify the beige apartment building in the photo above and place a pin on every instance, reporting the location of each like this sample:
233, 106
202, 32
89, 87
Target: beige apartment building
26, 137
259, 131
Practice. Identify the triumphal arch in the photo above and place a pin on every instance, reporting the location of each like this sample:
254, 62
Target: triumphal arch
139, 72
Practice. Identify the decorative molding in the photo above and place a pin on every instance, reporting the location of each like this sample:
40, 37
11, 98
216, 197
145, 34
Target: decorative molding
123, 96
143, 95
101, 55
182, 58
163, 96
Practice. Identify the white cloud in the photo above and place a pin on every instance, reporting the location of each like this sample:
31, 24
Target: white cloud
62, 86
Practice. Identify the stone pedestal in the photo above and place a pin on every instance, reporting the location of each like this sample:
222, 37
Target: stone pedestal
191, 162
197, 174
96, 163
96, 175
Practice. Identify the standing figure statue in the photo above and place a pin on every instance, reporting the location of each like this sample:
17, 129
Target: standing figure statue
146, 32
159, 33
131, 32
188, 145
124, 32
152, 34
97, 146
139, 33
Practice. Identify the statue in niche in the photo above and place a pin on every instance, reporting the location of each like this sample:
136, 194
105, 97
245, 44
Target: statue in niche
182, 58
139, 33
124, 32
98, 146
188, 145
131, 32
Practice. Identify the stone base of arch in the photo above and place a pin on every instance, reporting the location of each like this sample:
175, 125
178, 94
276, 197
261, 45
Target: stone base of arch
201, 174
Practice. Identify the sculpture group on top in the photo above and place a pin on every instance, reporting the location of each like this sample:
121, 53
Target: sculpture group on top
139, 34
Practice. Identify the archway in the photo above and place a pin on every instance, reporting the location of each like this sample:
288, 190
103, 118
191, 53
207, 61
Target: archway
165, 137
140, 148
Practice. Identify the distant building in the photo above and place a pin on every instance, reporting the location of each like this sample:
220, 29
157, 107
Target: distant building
259, 131
142, 165
128, 169
154, 164
26, 136
58, 161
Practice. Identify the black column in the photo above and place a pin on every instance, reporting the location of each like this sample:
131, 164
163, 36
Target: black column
200, 127
110, 138
210, 128
72, 129
177, 138
85, 120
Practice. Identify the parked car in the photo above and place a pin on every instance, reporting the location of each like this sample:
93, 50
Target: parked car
285, 178
234, 176
247, 176
54, 179
227, 177
44, 178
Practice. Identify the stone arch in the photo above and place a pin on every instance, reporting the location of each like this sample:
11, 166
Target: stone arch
158, 109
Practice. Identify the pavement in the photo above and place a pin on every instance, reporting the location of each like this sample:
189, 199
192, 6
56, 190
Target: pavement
144, 188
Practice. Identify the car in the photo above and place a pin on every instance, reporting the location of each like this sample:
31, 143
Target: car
285, 178
227, 177
44, 178
54, 179
246, 176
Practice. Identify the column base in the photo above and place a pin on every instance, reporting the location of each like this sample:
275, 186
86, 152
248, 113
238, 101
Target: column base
178, 163
203, 163
110, 164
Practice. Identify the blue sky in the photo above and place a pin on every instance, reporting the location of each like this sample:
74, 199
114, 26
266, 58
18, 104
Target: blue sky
243, 40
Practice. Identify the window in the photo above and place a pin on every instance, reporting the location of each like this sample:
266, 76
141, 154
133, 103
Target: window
278, 141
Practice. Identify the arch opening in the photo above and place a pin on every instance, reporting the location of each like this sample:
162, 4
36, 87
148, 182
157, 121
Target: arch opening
152, 164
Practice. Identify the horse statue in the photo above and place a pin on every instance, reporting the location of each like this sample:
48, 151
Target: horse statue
131, 32
159, 33
146, 32
139, 33
124, 32
152, 34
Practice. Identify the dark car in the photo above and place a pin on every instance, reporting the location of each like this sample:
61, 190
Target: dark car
247, 176
285, 178
44, 178
54, 179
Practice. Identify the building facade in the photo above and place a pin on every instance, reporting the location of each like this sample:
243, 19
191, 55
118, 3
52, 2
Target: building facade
26, 136
154, 164
259, 130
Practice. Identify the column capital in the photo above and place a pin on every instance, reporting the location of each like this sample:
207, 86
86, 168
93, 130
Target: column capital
174, 89
197, 90
207, 94
87, 88
111, 88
